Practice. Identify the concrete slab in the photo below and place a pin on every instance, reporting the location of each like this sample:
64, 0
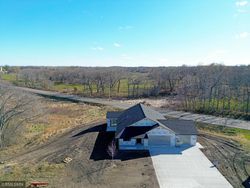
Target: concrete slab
186, 167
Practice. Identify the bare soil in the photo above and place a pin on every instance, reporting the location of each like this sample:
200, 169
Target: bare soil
91, 166
233, 161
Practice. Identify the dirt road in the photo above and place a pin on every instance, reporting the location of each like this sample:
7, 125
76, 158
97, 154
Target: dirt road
123, 104
91, 165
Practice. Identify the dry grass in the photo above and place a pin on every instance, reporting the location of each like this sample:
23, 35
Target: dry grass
239, 135
58, 118
31, 172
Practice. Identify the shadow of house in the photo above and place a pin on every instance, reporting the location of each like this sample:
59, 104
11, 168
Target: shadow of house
98, 128
169, 150
104, 138
246, 183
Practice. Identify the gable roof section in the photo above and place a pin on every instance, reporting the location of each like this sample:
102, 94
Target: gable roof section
113, 114
136, 132
135, 114
182, 127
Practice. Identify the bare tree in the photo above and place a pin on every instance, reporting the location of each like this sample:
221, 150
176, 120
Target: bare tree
112, 151
15, 109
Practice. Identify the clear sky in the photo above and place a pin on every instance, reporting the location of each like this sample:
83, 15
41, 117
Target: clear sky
124, 32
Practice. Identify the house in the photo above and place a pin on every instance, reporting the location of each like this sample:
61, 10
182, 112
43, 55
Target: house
2, 70
140, 127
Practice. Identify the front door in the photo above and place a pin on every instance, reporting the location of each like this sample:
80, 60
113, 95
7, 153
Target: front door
138, 141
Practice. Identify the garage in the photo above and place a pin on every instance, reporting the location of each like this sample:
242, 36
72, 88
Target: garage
154, 140
160, 137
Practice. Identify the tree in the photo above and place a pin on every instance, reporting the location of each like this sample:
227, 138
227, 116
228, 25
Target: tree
112, 151
15, 109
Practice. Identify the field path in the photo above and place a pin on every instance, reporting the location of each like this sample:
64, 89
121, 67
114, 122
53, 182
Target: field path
123, 104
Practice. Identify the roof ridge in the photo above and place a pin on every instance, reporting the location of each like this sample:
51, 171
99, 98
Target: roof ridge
140, 104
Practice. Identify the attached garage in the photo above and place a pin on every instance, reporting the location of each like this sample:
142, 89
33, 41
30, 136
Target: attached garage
155, 140
161, 137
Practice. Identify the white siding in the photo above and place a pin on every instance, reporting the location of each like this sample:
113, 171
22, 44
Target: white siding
145, 142
172, 140
193, 140
131, 145
127, 143
159, 131
161, 137
186, 139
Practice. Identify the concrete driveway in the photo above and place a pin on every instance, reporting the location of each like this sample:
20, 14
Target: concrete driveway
185, 167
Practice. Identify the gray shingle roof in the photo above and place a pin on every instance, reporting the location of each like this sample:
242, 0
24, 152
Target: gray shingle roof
114, 114
183, 127
135, 114
136, 132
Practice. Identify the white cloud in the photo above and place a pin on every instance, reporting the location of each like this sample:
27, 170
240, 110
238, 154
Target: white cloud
241, 3
241, 6
97, 48
242, 35
117, 45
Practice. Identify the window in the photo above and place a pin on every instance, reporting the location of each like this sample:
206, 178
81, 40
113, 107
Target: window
113, 122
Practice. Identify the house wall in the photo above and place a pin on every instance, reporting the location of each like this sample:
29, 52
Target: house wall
131, 144
109, 127
159, 131
187, 139
161, 136
193, 140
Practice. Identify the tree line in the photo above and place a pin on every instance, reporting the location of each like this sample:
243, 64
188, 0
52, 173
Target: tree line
213, 89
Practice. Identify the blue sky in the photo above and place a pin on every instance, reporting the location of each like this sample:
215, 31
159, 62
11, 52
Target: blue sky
124, 32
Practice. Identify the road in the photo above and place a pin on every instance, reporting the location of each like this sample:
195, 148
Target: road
123, 104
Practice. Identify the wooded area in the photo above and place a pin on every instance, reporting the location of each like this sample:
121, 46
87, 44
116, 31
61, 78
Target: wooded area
214, 89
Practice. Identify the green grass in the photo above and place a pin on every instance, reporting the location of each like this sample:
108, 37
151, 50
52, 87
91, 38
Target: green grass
67, 87
9, 77
36, 128
79, 88
240, 135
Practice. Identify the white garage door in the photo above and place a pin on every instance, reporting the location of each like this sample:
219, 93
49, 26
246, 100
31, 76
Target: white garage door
157, 140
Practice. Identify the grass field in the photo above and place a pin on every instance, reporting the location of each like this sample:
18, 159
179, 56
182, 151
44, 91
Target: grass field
8, 77
78, 88
58, 118
240, 135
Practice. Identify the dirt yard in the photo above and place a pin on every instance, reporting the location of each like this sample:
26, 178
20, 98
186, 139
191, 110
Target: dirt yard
74, 130
232, 158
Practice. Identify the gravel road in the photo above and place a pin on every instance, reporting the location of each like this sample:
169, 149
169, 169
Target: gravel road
123, 104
